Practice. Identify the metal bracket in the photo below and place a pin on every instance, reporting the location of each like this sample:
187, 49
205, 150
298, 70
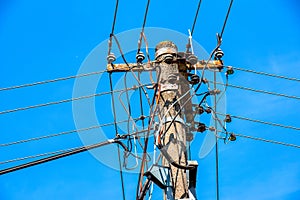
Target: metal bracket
160, 175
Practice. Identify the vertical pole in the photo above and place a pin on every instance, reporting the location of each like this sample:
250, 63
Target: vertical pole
216, 133
173, 138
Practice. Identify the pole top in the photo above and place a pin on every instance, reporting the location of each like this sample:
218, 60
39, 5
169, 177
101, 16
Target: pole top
165, 47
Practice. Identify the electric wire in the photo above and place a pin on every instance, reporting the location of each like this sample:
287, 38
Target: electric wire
136, 133
226, 18
120, 50
142, 117
64, 101
36, 156
113, 27
134, 75
189, 44
61, 155
151, 118
128, 102
115, 17
129, 118
143, 27
101, 72
41, 155
116, 130
63, 133
196, 16
263, 122
267, 74
268, 141
51, 81
261, 91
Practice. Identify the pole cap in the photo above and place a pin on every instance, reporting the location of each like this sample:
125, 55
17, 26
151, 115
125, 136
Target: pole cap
165, 47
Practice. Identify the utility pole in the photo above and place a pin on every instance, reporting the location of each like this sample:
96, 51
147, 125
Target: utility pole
176, 175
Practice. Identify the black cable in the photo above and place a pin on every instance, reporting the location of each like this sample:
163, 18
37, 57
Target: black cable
189, 44
196, 16
117, 134
115, 17
113, 27
174, 163
143, 27
146, 13
61, 155
120, 50
226, 18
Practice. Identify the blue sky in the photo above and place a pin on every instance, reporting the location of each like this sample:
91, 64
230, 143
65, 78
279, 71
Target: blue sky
50, 39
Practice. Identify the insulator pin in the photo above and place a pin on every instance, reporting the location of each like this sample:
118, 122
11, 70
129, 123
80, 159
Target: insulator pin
111, 58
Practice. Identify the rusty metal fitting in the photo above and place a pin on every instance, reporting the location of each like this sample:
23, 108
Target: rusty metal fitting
212, 129
214, 92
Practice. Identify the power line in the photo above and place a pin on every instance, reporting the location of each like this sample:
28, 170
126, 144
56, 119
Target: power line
61, 155
64, 101
62, 133
269, 141
136, 134
143, 27
226, 18
115, 17
260, 91
263, 122
36, 156
113, 28
146, 14
267, 74
196, 17
51, 81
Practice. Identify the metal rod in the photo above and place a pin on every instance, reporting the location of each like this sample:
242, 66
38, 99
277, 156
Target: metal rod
216, 133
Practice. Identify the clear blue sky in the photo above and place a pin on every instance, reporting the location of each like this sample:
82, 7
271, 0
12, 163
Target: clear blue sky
41, 40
